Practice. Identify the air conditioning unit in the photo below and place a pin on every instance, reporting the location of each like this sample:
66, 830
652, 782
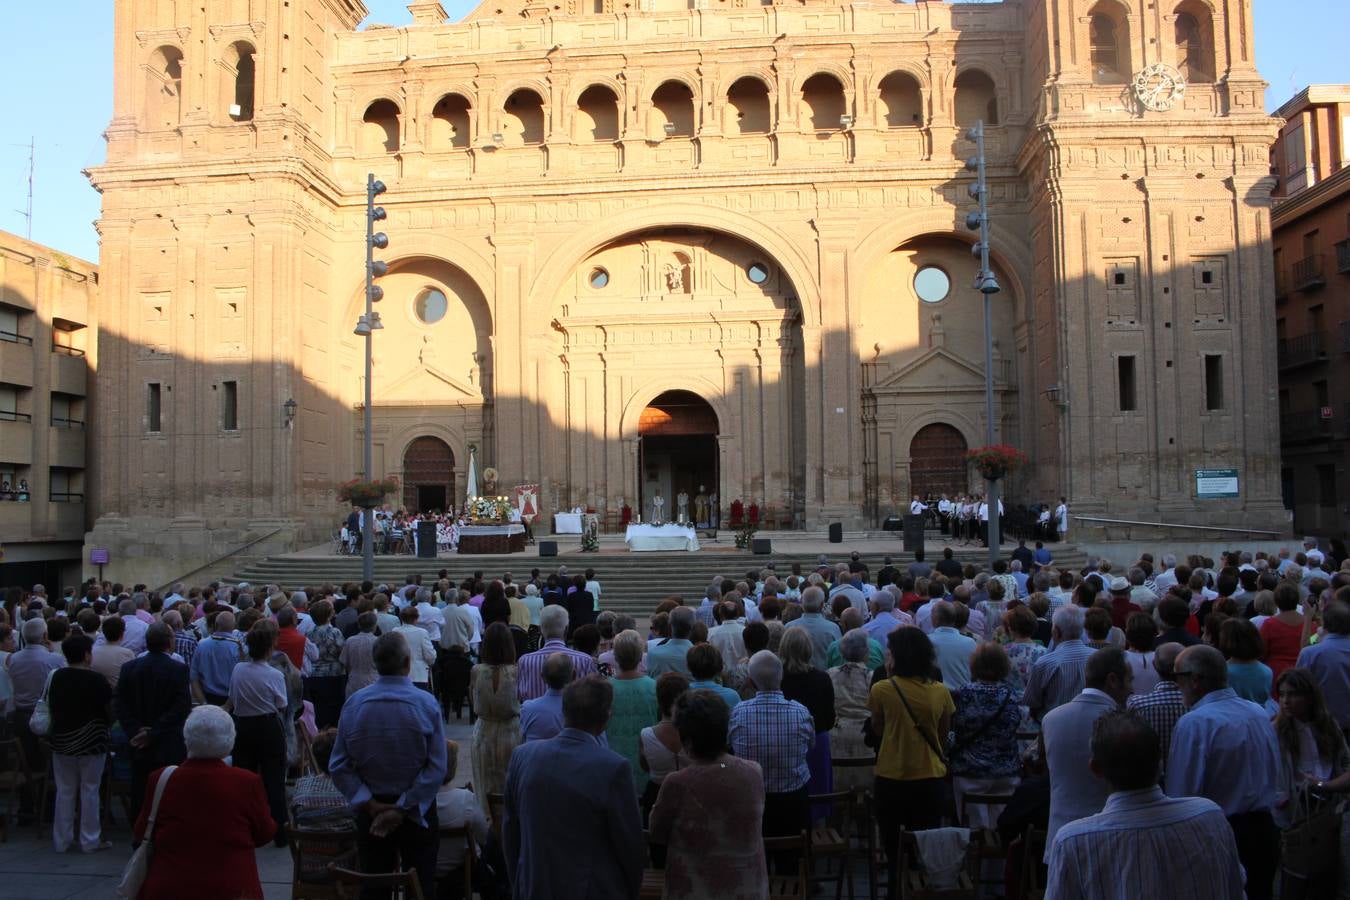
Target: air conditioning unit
236, 110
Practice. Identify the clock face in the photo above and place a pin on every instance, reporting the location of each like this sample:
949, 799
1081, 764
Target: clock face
1159, 86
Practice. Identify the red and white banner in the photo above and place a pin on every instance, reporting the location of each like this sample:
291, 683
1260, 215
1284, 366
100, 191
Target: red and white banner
527, 501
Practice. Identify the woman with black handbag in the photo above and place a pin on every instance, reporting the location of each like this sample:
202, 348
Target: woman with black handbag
912, 713
984, 757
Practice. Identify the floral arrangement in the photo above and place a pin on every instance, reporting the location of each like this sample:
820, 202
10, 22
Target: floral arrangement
590, 541
996, 461
489, 509
744, 535
367, 494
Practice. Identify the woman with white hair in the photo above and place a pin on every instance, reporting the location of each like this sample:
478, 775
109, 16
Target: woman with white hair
204, 796
852, 685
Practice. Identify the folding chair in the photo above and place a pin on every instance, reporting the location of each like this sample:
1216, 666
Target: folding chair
833, 839
790, 887
402, 885
314, 856
1033, 851
465, 834
914, 882
17, 776
864, 819
988, 849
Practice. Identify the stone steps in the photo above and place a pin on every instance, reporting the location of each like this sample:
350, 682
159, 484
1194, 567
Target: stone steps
632, 582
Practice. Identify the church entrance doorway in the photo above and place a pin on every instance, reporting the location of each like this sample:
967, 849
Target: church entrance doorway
937, 462
428, 475
678, 455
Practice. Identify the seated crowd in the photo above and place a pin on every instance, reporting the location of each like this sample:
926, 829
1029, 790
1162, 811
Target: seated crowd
1190, 716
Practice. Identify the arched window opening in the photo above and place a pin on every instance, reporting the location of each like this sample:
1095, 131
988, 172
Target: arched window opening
597, 115
976, 98
748, 102
673, 104
523, 119
164, 88
1194, 32
823, 102
380, 128
1108, 45
901, 101
450, 122
241, 69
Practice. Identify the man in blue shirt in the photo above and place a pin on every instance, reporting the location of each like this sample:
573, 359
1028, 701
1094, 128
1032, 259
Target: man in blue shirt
388, 761
214, 660
669, 656
823, 632
542, 717
1329, 662
951, 648
1225, 749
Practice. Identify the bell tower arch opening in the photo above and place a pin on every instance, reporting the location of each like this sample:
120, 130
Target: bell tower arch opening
677, 454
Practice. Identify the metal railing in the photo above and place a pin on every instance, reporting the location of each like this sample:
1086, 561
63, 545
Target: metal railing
1303, 424
1309, 272
9, 415
68, 351
219, 559
14, 338
66, 497
1078, 518
60, 422
1343, 255
1301, 350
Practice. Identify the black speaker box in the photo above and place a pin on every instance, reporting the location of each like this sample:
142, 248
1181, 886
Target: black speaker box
548, 548
761, 546
836, 533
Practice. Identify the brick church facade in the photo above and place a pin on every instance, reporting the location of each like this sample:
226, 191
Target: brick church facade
672, 244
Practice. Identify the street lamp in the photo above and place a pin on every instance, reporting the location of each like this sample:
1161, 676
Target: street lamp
986, 284
366, 326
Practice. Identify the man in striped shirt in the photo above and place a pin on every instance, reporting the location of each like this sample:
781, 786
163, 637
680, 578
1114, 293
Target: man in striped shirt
553, 625
1118, 854
1058, 676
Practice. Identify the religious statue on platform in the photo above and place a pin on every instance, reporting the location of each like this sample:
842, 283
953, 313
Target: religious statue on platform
658, 509
714, 512
682, 508
701, 508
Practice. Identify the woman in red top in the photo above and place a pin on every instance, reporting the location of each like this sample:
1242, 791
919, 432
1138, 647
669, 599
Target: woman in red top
206, 797
1284, 633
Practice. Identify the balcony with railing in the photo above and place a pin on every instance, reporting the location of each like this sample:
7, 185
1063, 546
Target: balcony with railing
1303, 350
1343, 256
1309, 273
1304, 425
16, 438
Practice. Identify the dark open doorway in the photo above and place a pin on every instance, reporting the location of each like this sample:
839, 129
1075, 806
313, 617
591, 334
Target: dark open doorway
430, 497
679, 453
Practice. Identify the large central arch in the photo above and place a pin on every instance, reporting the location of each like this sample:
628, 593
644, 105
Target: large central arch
678, 309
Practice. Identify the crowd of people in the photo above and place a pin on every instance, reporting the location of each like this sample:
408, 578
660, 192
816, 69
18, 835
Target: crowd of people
395, 531
1187, 715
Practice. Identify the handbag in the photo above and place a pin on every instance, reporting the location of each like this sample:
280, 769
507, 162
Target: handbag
138, 867
40, 723
932, 742
1310, 846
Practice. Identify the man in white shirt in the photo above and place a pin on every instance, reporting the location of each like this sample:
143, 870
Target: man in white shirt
419, 643
134, 638
916, 506
1062, 519
727, 635
428, 615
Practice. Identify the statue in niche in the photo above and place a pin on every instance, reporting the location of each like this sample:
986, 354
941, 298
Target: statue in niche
674, 279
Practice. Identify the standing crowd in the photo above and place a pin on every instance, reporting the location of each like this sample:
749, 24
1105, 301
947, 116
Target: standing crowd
1189, 716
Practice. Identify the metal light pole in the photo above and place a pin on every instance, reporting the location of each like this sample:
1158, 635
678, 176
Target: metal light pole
986, 284
366, 327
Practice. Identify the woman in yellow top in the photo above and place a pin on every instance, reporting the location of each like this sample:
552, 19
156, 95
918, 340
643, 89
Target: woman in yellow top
912, 711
